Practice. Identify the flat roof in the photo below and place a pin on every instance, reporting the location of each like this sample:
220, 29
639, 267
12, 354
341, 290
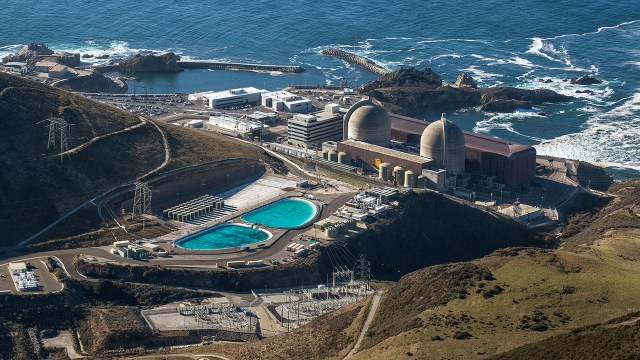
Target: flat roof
46, 63
386, 151
475, 141
16, 266
58, 67
232, 92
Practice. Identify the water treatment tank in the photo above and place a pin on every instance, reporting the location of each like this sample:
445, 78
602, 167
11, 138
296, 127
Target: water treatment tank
443, 141
384, 172
398, 175
410, 179
368, 122
333, 156
344, 158
325, 155
421, 183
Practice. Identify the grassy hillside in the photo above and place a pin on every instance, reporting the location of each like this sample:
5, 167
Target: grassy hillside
36, 188
430, 229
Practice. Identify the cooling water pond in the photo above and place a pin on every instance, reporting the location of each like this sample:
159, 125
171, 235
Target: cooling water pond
285, 214
224, 236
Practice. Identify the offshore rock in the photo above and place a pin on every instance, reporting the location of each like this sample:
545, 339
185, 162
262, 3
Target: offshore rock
152, 63
585, 80
465, 80
28, 52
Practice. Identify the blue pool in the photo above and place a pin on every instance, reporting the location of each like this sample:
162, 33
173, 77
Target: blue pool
285, 213
224, 236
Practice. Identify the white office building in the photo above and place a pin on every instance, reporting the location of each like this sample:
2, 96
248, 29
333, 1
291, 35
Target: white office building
314, 129
228, 98
286, 102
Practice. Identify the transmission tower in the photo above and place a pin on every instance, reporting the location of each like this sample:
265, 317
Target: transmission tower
363, 269
141, 200
342, 274
58, 127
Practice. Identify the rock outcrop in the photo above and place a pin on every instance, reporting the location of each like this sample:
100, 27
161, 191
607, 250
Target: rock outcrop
505, 106
151, 63
28, 52
465, 80
93, 82
413, 92
410, 77
585, 80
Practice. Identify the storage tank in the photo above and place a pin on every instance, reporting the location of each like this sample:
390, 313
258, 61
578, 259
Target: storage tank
410, 179
384, 171
332, 155
421, 182
444, 142
344, 158
368, 122
325, 155
398, 175
331, 232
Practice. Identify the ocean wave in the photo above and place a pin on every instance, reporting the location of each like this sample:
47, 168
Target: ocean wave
505, 122
481, 75
599, 30
607, 137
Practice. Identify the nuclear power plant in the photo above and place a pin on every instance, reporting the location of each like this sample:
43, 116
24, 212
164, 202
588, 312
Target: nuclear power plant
448, 157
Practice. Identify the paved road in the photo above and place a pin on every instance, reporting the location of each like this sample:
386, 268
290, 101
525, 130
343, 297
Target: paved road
66, 256
375, 303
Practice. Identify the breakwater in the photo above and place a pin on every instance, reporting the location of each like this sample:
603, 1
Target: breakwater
358, 60
239, 66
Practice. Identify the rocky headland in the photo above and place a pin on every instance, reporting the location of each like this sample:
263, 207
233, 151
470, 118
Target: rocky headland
151, 63
412, 92
92, 82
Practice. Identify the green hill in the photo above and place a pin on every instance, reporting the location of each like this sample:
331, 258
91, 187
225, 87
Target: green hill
36, 187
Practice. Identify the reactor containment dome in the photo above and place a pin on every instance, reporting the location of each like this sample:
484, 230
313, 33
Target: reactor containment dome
368, 122
443, 141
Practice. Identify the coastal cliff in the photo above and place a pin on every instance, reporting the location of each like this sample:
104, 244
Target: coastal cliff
93, 82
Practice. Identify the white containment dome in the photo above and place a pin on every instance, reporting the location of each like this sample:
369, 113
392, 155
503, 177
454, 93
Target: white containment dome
443, 141
368, 122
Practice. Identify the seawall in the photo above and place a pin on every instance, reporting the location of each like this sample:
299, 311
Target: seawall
368, 64
239, 66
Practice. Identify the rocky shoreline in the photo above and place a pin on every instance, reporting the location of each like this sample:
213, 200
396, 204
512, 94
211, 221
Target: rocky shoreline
413, 92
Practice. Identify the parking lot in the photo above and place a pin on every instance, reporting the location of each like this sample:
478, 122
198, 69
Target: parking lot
48, 282
147, 104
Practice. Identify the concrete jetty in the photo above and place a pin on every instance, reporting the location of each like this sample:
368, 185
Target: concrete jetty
239, 66
368, 64
216, 66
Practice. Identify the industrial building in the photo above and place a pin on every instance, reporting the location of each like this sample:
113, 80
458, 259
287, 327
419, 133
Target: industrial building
53, 69
286, 102
227, 98
314, 129
511, 164
232, 125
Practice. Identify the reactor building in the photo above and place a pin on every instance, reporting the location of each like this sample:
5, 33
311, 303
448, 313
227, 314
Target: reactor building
448, 157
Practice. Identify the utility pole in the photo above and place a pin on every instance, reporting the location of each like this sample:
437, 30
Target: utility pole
363, 269
141, 200
57, 126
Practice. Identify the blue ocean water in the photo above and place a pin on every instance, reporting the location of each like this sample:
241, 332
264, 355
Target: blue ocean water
499, 42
